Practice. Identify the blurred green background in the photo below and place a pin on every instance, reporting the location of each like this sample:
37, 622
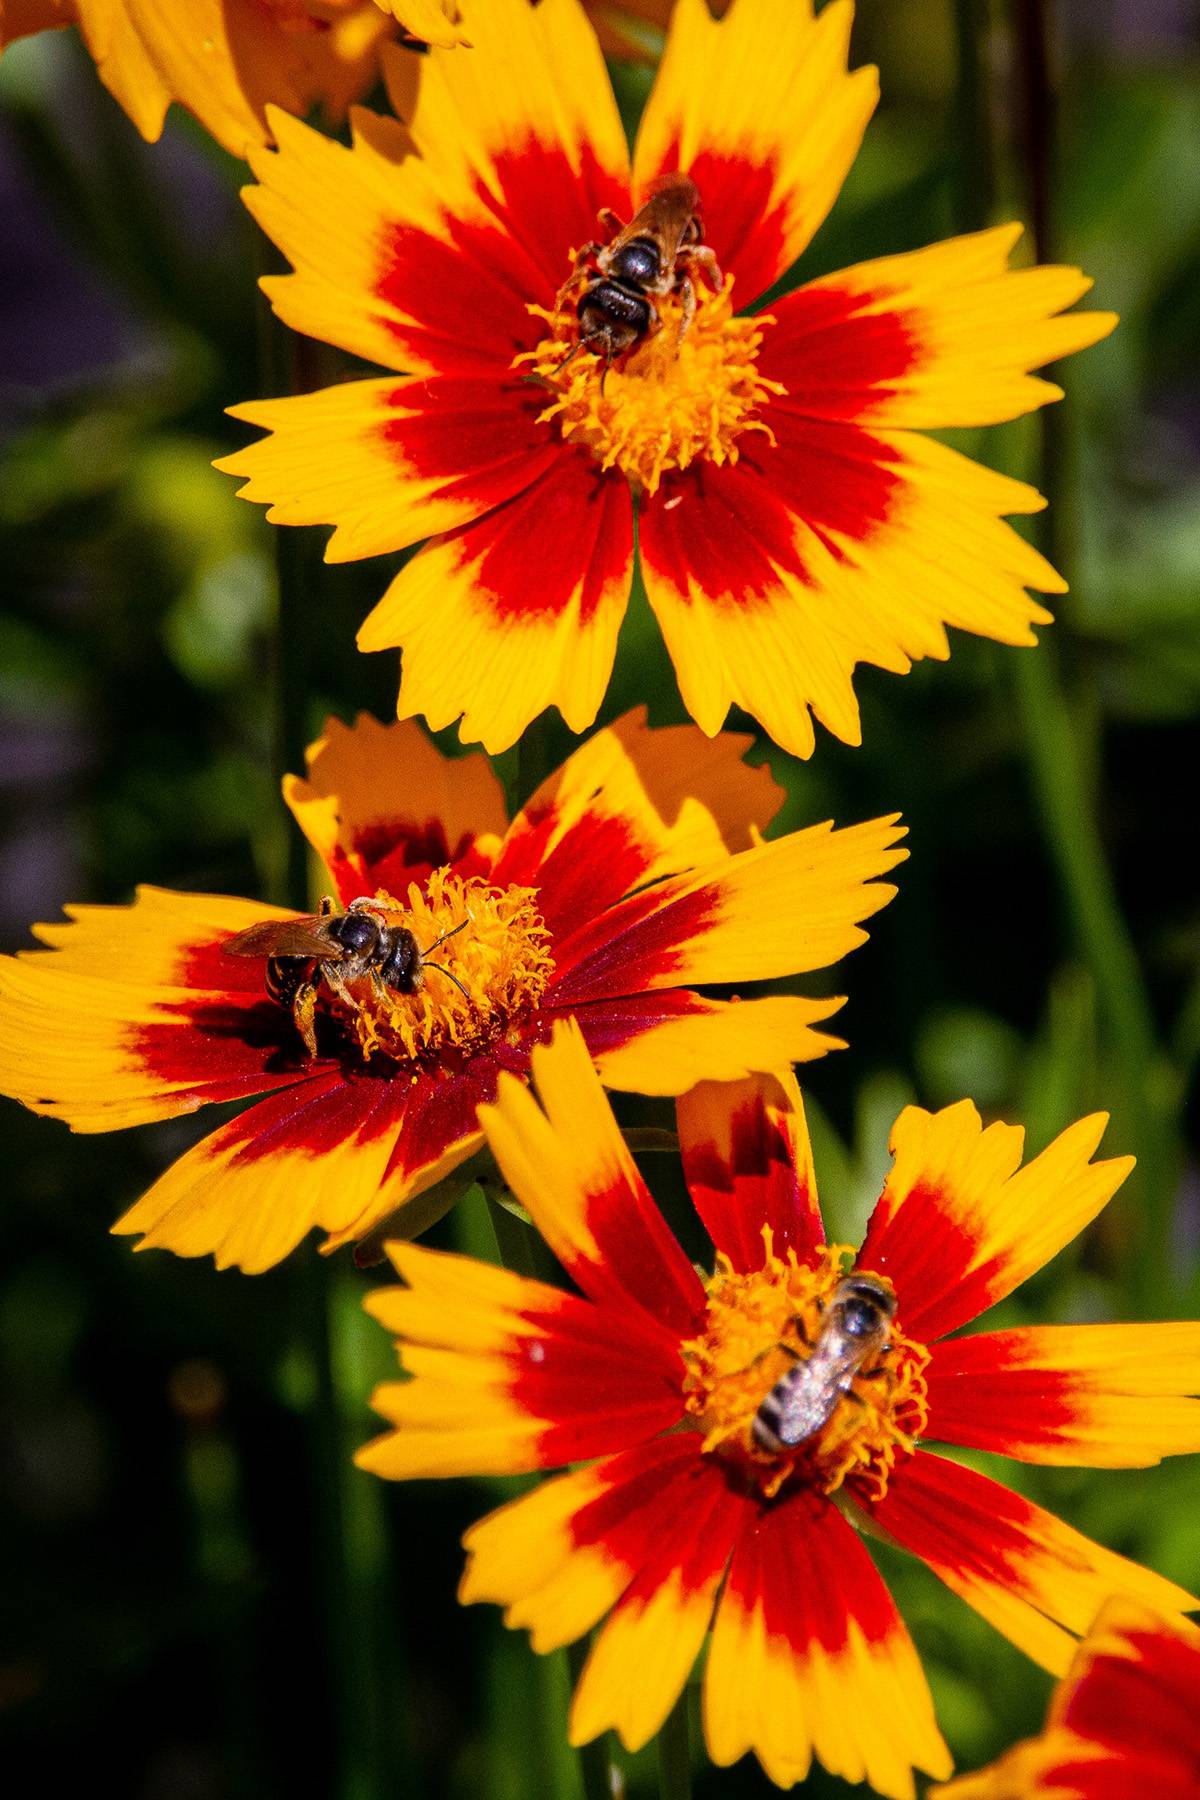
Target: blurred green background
199, 1596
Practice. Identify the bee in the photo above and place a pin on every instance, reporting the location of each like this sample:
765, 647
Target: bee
855, 1324
338, 948
644, 261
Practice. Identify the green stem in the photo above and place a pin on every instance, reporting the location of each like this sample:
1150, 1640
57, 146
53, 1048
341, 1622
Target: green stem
1060, 755
1060, 760
675, 1753
350, 1550
521, 1248
595, 1767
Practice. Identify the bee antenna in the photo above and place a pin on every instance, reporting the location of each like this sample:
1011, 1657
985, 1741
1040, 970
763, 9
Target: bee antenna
426, 964
453, 932
570, 356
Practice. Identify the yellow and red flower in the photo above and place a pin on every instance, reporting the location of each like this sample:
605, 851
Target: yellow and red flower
792, 520
660, 1375
633, 877
226, 59
1123, 1725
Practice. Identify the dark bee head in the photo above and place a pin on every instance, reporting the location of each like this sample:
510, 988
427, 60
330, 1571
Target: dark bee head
354, 931
612, 320
864, 1306
636, 262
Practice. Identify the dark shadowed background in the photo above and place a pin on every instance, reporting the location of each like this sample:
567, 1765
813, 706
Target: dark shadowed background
199, 1597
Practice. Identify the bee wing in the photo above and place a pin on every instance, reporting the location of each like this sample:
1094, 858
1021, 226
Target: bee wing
284, 937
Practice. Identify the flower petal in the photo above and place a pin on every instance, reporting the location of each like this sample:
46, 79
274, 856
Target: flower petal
222, 62
643, 1655
748, 1166
558, 1558
315, 1155
383, 461
774, 576
664, 1043
383, 807
438, 1132
629, 806
782, 908
936, 337
1096, 1396
136, 1014
1132, 1689
527, 123
1030, 1575
509, 1374
516, 613
1121, 1725
758, 108
809, 1656
426, 20
569, 1165
390, 260
960, 1224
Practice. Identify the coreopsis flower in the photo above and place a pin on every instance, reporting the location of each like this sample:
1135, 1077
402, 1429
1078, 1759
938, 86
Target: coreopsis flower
1123, 1725
225, 59
737, 1427
792, 520
631, 879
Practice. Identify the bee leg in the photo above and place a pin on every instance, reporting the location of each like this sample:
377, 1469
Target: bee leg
304, 1015
700, 257
687, 308
582, 257
611, 223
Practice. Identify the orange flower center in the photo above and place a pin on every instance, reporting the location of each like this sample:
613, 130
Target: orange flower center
769, 1326
472, 990
670, 400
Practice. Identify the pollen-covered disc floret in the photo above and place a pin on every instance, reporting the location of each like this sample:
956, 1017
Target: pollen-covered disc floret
668, 402
501, 959
762, 1324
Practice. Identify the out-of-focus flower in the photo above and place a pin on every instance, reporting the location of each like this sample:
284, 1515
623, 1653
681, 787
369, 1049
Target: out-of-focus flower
746, 1421
793, 520
632, 878
226, 59
1123, 1725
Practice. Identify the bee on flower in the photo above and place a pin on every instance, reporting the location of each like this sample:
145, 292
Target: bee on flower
1122, 1724
792, 519
448, 941
737, 1428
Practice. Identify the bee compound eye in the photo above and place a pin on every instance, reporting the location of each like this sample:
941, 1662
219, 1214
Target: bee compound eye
638, 262
859, 1317
355, 932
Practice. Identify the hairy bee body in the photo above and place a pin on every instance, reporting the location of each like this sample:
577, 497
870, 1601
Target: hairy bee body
651, 257
335, 950
803, 1400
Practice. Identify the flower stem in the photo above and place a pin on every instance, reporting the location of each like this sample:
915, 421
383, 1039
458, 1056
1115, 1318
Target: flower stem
595, 1765
1055, 730
351, 1550
521, 1249
1060, 759
675, 1753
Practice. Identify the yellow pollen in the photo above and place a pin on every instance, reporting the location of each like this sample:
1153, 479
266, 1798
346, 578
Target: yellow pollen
668, 401
752, 1323
501, 959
